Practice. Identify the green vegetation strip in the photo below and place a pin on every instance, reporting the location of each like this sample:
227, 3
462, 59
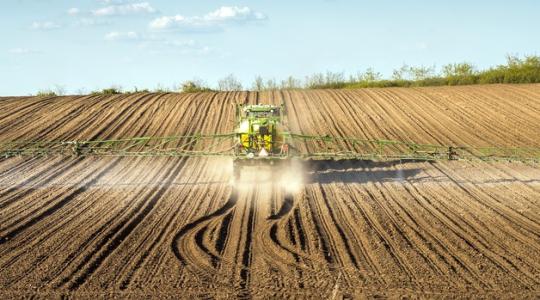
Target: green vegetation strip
516, 70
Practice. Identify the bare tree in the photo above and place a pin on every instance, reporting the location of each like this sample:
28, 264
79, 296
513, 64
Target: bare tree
229, 83
291, 83
271, 84
59, 90
403, 73
258, 84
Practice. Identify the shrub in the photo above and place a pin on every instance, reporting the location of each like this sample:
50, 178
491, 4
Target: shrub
108, 91
46, 93
136, 90
194, 86
57, 91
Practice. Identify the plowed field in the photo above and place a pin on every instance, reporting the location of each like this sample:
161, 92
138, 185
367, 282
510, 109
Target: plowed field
175, 228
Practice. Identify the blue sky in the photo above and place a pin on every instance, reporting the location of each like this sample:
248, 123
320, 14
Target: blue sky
92, 44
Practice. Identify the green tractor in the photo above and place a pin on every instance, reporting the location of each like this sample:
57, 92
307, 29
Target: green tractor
259, 136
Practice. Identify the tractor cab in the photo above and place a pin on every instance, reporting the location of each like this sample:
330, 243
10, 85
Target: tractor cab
258, 131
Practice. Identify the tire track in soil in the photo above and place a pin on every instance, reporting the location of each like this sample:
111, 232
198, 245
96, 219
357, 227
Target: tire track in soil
21, 129
58, 205
43, 133
18, 108
442, 247
400, 215
324, 239
276, 221
282, 249
388, 197
476, 117
120, 232
245, 272
115, 124
117, 235
412, 222
13, 166
458, 231
200, 227
225, 209
479, 118
396, 226
385, 238
107, 207
7, 128
353, 113
482, 228
195, 235
343, 232
157, 241
517, 180
124, 228
179, 237
86, 122
50, 173
509, 214
517, 111
39, 199
339, 228
224, 101
45, 233
463, 259
500, 260
378, 109
25, 211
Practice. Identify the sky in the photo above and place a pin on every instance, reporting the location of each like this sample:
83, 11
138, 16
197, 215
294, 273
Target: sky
86, 45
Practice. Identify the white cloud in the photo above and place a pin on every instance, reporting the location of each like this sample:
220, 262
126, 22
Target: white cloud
45, 25
73, 11
121, 36
167, 22
222, 16
234, 13
125, 9
91, 22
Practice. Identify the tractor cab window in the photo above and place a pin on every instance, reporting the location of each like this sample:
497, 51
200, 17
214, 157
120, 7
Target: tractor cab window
260, 114
274, 112
253, 113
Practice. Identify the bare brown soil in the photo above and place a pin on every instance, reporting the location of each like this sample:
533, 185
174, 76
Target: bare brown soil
174, 227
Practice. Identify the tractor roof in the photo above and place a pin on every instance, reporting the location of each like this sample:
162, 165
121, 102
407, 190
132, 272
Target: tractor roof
259, 107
